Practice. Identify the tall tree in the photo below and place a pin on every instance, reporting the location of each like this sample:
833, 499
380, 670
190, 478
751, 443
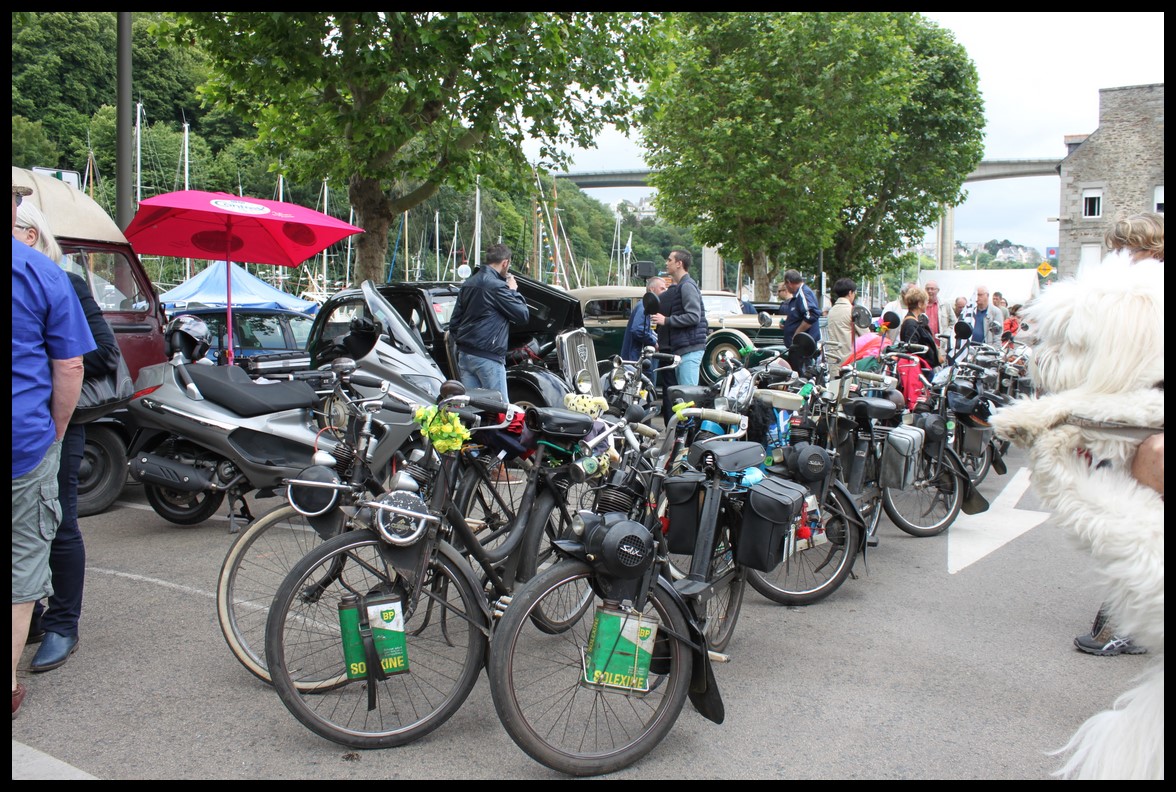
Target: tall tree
773, 133
395, 104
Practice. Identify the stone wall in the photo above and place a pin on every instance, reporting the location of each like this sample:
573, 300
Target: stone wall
1124, 158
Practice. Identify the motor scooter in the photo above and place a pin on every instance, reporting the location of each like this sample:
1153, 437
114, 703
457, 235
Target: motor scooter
207, 431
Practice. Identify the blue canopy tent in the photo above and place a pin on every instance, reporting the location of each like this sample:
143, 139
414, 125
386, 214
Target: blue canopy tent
208, 288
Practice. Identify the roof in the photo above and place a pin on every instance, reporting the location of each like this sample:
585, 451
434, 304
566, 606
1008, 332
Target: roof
71, 213
208, 288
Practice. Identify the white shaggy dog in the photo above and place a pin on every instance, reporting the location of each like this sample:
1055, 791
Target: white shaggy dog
1099, 357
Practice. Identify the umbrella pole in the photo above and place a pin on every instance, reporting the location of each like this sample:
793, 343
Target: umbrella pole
229, 290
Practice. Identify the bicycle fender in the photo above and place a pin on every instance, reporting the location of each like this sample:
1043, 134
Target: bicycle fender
973, 502
998, 463
704, 689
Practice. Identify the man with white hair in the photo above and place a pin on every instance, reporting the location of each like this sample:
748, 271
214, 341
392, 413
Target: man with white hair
987, 320
940, 316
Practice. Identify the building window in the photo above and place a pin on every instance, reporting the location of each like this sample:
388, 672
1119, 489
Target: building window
1160, 199
1092, 203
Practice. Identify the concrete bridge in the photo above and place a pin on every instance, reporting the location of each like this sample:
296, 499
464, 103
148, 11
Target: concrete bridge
945, 230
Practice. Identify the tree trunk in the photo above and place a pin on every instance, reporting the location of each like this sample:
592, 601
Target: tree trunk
759, 269
373, 215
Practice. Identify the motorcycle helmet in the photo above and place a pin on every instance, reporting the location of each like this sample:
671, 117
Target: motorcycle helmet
187, 335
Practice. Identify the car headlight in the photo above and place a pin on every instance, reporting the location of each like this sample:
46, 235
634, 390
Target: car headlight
583, 383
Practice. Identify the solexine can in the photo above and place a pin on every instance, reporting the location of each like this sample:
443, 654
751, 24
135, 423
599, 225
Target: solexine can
386, 619
619, 650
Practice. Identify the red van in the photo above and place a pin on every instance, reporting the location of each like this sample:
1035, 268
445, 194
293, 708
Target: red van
96, 249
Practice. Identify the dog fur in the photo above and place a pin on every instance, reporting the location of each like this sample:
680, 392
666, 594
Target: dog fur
1098, 354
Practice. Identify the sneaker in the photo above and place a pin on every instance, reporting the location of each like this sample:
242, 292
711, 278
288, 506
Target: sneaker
1115, 646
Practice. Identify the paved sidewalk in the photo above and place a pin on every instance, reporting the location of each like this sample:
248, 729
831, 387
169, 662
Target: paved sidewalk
29, 764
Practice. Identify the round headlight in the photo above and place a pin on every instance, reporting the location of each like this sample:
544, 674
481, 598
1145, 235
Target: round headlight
620, 379
578, 524
583, 381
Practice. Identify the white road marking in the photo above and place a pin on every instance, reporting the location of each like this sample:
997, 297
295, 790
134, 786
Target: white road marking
973, 536
156, 581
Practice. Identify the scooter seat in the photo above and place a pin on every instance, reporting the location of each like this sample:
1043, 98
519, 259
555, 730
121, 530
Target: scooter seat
232, 388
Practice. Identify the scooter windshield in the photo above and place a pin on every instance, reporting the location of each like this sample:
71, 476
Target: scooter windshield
391, 323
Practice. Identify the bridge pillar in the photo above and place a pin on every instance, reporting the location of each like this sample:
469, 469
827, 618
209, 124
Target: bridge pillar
711, 272
945, 238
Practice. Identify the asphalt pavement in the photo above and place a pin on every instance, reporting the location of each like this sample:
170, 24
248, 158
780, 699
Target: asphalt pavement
946, 658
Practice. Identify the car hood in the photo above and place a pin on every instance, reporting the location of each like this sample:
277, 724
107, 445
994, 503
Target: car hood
552, 310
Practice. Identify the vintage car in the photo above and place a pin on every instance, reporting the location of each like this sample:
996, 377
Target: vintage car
533, 365
607, 309
96, 249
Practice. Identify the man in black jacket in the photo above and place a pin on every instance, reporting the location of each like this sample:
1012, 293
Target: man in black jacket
488, 304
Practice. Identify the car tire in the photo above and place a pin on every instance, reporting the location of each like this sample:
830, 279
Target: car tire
104, 469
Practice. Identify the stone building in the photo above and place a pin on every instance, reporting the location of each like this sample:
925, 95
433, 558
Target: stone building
1118, 167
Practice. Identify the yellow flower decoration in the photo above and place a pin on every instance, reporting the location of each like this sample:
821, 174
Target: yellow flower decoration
443, 430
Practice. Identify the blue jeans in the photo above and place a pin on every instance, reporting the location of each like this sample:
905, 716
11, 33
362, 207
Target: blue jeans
478, 372
67, 554
688, 368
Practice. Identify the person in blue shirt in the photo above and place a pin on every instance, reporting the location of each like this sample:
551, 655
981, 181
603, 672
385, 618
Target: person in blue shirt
802, 312
49, 337
640, 333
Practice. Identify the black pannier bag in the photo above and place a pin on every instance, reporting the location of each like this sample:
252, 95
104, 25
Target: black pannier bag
684, 496
771, 508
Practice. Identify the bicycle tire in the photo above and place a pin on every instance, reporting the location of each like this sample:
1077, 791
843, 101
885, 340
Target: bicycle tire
253, 570
930, 505
815, 567
535, 683
446, 646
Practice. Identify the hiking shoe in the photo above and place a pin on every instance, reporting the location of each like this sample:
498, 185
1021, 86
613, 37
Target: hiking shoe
1115, 646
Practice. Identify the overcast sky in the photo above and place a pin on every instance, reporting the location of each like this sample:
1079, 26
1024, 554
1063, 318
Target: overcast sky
1040, 74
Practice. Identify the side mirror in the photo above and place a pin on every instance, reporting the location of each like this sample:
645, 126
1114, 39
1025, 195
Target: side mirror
764, 319
645, 269
925, 320
861, 317
891, 319
963, 330
650, 301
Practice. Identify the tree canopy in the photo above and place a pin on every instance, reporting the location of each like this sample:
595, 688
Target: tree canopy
779, 136
399, 103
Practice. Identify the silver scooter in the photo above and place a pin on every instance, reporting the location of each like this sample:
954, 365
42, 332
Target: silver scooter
204, 432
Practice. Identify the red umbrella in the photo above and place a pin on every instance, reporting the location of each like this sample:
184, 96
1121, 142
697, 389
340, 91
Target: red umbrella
198, 224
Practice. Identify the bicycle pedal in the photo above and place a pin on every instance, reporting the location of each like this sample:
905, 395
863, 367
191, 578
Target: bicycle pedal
718, 657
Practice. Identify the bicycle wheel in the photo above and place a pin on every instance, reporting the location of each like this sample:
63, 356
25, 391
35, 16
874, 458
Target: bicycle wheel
445, 646
930, 504
488, 496
535, 680
538, 555
976, 465
254, 568
814, 566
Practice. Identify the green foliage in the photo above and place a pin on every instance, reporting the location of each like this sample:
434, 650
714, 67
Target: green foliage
31, 146
782, 135
397, 104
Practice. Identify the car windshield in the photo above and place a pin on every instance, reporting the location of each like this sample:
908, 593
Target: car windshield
721, 304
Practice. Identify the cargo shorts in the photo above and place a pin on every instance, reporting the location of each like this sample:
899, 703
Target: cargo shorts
36, 514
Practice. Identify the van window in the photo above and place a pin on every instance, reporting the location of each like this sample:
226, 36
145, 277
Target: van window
111, 277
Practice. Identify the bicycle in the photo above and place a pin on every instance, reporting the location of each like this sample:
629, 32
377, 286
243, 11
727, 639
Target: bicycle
410, 561
576, 701
264, 553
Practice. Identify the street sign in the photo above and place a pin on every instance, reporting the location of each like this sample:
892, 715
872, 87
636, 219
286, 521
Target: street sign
69, 177
1045, 269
